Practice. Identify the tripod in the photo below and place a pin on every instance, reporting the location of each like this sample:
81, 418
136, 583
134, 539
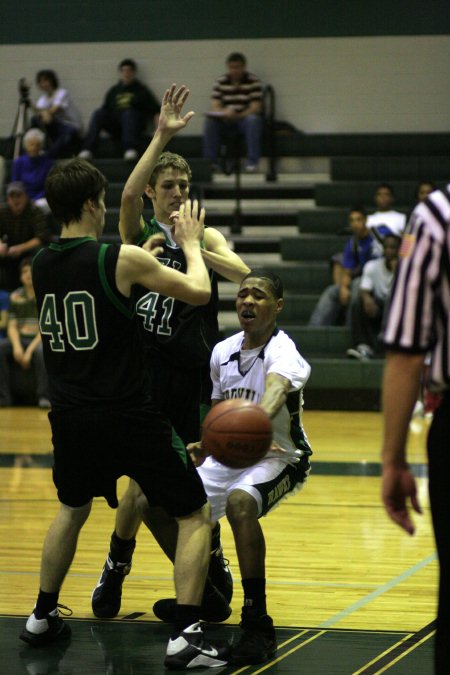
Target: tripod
20, 125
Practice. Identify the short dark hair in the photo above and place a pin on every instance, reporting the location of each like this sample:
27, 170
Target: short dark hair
169, 160
48, 75
236, 56
386, 186
359, 208
128, 62
275, 283
69, 184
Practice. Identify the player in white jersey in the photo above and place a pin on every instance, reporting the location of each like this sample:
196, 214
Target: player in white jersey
262, 364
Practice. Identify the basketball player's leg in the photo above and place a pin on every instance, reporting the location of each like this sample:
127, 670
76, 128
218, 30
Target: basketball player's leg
192, 552
75, 478
44, 625
242, 514
107, 595
60, 545
218, 587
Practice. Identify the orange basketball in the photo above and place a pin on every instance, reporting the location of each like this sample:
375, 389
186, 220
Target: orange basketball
237, 432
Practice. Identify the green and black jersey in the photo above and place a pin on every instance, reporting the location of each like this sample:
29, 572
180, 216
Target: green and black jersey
173, 330
92, 349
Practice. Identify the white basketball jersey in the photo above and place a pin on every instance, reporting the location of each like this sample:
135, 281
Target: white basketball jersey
238, 373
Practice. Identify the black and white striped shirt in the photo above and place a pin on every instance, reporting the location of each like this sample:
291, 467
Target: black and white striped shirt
237, 95
419, 312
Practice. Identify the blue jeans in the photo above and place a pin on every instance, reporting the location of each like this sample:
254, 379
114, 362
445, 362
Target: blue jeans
328, 310
126, 124
216, 131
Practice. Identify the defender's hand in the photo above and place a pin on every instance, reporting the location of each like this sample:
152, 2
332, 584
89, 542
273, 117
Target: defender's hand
189, 225
154, 244
196, 453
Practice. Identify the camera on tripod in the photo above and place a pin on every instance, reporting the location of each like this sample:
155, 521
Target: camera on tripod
24, 91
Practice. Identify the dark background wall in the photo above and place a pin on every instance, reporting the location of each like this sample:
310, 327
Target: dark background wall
65, 21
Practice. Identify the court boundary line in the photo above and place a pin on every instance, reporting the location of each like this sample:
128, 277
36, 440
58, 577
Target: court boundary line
399, 651
384, 588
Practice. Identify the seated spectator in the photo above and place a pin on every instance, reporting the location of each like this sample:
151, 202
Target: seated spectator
4, 306
127, 108
23, 229
385, 220
23, 343
336, 300
236, 109
57, 115
32, 168
367, 314
423, 190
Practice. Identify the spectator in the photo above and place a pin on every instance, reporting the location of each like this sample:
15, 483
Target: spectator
56, 115
385, 220
23, 343
423, 190
337, 299
4, 306
125, 113
32, 167
367, 314
236, 109
23, 228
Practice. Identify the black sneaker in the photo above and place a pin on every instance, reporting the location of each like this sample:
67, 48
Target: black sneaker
257, 644
107, 595
214, 608
41, 632
189, 649
220, 575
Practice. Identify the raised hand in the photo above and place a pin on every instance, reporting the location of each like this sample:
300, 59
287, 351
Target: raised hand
188, 223
170, 117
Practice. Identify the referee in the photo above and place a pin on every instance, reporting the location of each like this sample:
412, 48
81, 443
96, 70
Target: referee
419, 322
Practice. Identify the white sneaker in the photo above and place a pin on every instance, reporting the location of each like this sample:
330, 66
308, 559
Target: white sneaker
130, 155
85, 154
361, 352
189, 649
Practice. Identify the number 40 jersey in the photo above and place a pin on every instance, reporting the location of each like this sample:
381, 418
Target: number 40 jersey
92, 348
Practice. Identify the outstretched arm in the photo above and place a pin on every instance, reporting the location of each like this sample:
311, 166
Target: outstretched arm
400, 386
170, 122
221, 258
137, 266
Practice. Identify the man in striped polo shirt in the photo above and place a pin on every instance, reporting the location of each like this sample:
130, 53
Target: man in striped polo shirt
418, 322
236, 108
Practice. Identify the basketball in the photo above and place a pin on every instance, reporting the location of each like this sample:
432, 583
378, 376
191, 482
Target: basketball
237, 432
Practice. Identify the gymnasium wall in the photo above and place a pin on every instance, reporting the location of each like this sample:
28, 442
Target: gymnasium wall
335, 66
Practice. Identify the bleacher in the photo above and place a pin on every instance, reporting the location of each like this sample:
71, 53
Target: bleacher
293, 224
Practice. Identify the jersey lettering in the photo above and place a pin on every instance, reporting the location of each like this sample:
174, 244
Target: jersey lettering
49, 324
79, 321
279, 490
147, 307
242, 392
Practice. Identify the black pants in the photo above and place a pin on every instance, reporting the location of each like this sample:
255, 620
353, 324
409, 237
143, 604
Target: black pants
438, 446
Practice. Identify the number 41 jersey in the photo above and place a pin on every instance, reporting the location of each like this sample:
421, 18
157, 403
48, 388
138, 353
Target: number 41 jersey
171, 329
92, 349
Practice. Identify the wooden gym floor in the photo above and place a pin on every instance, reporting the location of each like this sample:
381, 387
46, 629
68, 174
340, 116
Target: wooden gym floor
348, 591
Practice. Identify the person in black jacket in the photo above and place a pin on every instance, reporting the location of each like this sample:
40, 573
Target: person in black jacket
125, 112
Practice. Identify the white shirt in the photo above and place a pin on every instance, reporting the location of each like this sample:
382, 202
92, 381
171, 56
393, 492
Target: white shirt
67, 112
237, 373
377, 278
